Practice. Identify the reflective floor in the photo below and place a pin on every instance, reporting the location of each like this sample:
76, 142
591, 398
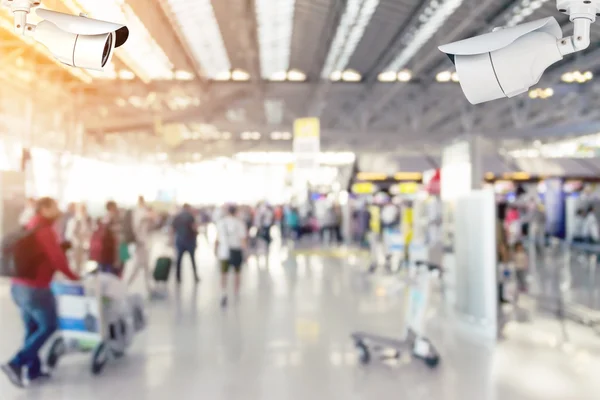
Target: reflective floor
288, 338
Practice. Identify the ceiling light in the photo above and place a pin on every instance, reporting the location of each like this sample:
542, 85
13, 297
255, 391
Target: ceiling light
405, 75
240, 75
523, 10
275, 21
223, 76
126, 75
349, 32
387, 76
200, 29
577, 77
541, 93
336, 76
246, 135
143, 55
278, 76
421, 34
276, 135
121, 102
181, 75
568, 77
351, 76
286, 135
255, 135
443, 76
454, 77
295, 75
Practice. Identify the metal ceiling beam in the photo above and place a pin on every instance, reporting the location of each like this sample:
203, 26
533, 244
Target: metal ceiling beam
163, 31
422, 64
145, 121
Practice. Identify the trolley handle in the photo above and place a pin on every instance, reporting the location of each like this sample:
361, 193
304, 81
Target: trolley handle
430, 266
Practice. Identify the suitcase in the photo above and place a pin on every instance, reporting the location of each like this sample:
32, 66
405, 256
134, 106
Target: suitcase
162, 270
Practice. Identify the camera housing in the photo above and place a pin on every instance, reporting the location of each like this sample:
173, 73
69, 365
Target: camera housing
79, 41
74, 40
509, 61
505, 62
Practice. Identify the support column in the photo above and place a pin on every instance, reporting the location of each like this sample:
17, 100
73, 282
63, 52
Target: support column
469, 226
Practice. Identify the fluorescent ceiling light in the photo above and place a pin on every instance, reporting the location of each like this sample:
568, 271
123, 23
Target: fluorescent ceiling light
523, 10
433, 17
126, 75
286, 135
387, 76
404, 75
278, 76
351, 76
336, 76
200, 29
295, 75
141, 53
240, 75
443, 76
276, 135
349, 32
283, 158
183, 75
275, 21
223, 76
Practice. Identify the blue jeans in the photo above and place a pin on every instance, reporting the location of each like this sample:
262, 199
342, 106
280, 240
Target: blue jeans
38, 311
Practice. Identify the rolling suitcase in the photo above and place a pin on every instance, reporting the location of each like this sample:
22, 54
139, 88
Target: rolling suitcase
162, 270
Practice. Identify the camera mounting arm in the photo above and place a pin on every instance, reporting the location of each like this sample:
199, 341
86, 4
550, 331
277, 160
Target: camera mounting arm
582, 13
20, 9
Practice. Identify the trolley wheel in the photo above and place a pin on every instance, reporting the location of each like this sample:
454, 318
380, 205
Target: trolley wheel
364, 355
57, 350
99, 358
432, 361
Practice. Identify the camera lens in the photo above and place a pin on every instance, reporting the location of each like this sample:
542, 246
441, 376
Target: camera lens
107, 49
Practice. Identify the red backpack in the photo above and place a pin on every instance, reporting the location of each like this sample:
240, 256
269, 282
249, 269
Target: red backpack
103, 247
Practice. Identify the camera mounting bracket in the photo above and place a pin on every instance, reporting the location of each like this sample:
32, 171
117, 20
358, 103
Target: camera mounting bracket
582, 13
20, 9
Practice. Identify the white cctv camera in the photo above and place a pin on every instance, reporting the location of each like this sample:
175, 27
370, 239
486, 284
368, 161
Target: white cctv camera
509, 61
77, 41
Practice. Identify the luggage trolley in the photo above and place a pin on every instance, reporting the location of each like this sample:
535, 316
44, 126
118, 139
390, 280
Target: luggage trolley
92, 319
416, 307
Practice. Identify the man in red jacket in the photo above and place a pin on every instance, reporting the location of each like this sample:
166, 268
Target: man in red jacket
34, 297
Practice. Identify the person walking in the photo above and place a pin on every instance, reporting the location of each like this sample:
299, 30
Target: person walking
33, 296
141, 225
78, 235
186, 233
232, 241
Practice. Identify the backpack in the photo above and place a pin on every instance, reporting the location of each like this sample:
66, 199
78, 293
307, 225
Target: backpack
128, 229
21, 255
103, 248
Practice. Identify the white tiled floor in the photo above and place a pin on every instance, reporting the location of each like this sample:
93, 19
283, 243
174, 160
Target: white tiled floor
288, 338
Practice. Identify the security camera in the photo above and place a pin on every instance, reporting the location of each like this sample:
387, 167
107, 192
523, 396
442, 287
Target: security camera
509, 61
77, 41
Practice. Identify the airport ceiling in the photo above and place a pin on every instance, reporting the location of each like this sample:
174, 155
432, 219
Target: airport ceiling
222, 76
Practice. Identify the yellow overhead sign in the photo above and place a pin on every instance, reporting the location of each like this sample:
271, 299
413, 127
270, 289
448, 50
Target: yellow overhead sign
307, 128
363, 188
